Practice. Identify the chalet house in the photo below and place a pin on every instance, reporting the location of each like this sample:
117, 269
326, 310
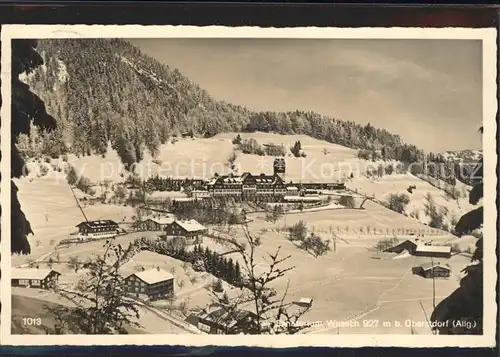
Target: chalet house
408, 245
223, 320
34, 278
155, 224
437, 251
433, 270
152, 284
292, 191
191, 230
98, 229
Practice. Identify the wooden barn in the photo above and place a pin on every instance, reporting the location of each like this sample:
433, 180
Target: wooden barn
436, 251
152, 284
433, 270
34, 278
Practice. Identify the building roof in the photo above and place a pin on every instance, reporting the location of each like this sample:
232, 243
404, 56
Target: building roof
305, 300
99, 223
31, 273
160, 220
427, 266
407, 241
191, 225
302, 198
153, 276
292, 188
433, 248
233, 179
265, 179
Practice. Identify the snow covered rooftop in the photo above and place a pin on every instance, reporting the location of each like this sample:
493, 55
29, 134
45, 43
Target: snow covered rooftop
433, 248
303, 198
191, 225
30, 273
153, 276
234, 179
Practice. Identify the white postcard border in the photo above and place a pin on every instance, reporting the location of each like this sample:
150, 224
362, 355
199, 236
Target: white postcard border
488, 37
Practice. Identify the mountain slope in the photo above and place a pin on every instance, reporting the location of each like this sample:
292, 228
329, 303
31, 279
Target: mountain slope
106, 90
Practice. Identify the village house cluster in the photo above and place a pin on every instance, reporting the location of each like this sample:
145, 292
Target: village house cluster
152, 284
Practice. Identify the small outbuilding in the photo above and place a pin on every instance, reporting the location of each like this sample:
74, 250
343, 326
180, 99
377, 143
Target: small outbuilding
304, 302
433, 270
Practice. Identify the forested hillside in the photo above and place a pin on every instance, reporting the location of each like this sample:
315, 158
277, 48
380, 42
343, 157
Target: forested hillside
106, 90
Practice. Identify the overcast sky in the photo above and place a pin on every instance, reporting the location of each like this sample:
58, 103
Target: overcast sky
427, 91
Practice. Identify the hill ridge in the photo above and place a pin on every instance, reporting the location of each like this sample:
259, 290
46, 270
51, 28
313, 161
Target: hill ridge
111, 91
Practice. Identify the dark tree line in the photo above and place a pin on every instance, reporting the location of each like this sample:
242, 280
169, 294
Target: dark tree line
202, 259
114, 93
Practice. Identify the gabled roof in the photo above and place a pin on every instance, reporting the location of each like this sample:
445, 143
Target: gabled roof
191, 225
427, 266
153, 276
433, 248
31, 273
99, 223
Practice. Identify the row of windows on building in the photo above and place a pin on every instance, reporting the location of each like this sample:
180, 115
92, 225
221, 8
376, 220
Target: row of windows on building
100, 233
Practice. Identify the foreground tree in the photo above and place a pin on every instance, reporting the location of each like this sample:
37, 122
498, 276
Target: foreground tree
466, 303
27, 109
103, 306
272, 314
